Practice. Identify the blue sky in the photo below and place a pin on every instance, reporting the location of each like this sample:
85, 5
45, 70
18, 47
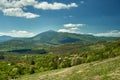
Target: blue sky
26, 18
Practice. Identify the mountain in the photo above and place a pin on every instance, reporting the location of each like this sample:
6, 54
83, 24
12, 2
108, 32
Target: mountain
48, 38
5, 38
53, 37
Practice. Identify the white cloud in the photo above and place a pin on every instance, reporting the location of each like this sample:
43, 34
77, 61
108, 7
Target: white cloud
22, 3
15, 7
71, 28
75, 28
18, 12
15, 33
54, 6
70, 25
64, 30
114, 33
16, 3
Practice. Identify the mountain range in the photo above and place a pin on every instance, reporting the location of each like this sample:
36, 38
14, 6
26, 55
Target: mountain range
53, 37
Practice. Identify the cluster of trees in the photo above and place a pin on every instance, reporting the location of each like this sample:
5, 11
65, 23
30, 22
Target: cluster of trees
29, 64
1, 57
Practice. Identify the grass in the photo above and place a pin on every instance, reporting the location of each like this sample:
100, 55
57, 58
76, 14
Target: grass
108, 69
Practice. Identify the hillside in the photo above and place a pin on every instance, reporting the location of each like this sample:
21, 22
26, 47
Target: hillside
15, 44
5, 38
28, 61
108, 69
53, 37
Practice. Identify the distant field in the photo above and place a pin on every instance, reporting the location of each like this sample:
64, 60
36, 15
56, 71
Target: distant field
108, 69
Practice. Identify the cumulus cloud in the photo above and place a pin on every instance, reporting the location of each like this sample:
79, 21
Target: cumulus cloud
18, 12
54, 6
114, 33
16, 3
75, 28
19, 33
73, 25
71, 28
64, 30
15, 7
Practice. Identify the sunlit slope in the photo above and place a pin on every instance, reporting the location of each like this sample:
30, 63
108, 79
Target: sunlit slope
108, 69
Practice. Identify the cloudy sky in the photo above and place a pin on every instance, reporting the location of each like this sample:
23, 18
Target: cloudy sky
26, 18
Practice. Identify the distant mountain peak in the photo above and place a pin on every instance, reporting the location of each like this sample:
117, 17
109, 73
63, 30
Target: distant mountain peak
49, 32
4, 36
46, 33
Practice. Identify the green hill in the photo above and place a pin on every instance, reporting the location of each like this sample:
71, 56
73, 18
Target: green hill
108, 69
53, 37
15, 44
